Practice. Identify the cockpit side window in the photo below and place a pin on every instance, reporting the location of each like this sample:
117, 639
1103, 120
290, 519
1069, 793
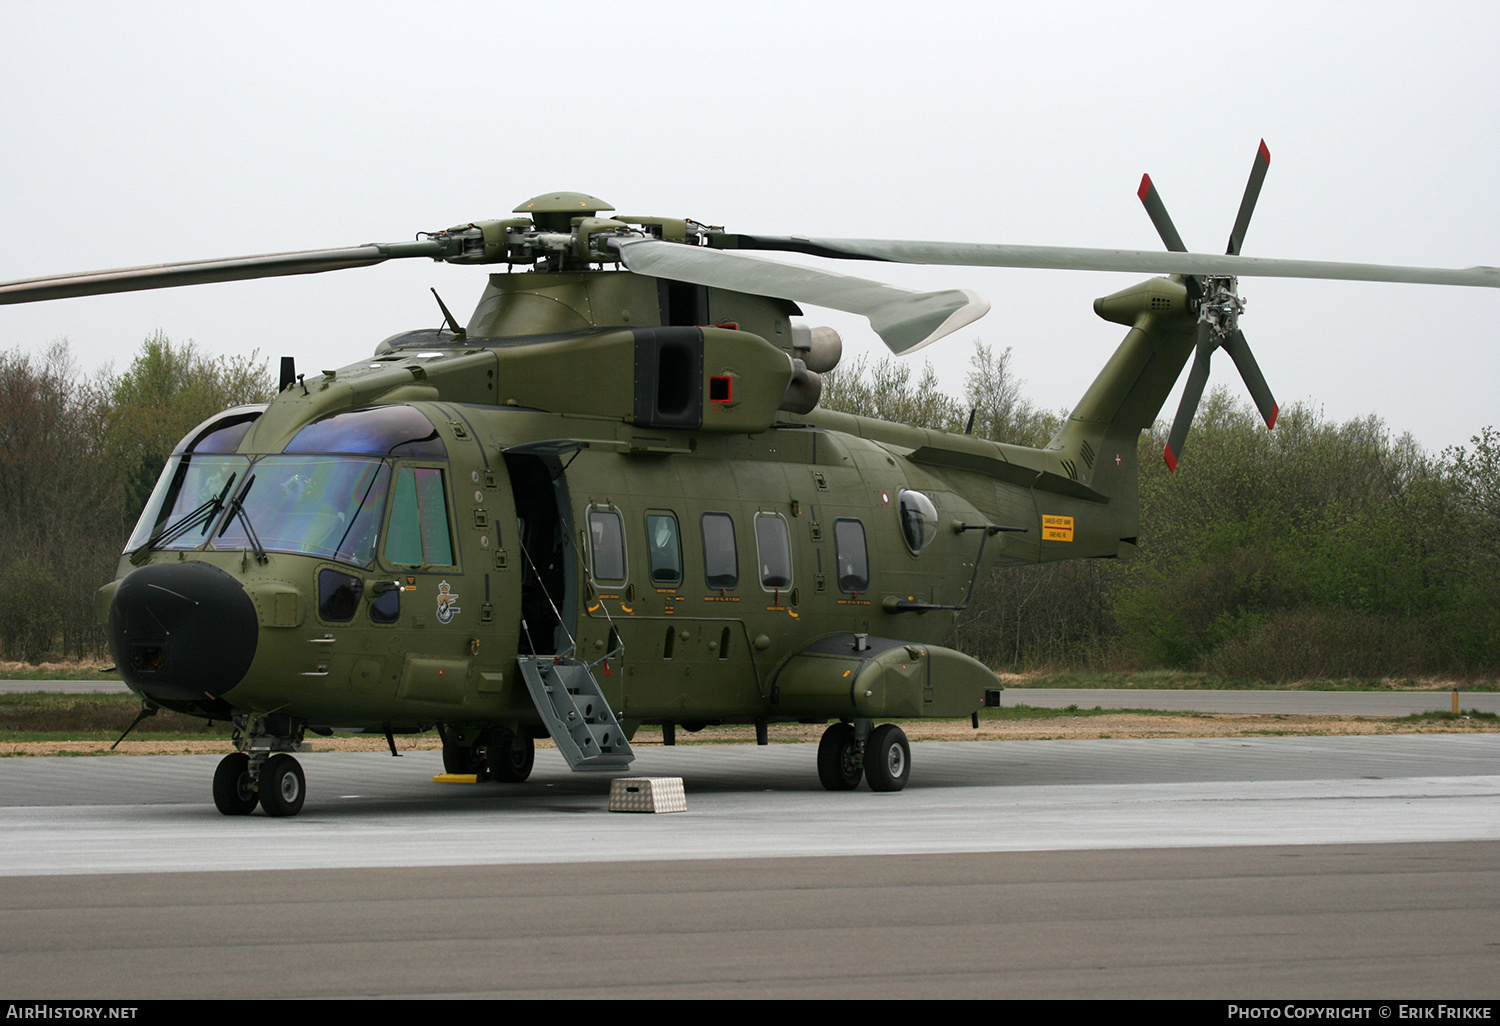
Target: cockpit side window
418, 533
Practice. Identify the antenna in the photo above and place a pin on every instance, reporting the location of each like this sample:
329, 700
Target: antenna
458, 332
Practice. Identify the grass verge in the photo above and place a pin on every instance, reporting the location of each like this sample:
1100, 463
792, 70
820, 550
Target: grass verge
1183, 680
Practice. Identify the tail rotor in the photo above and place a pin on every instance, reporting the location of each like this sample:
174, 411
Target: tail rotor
1219, 306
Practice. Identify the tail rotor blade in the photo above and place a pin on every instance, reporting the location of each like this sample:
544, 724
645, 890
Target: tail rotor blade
1247, 204
1239, 351
1191, 393
1158, 213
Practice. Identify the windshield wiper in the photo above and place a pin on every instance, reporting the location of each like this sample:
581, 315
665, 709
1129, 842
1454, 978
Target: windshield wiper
237, 509
182, 525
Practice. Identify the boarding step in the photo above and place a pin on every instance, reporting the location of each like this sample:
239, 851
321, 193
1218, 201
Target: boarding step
576, 714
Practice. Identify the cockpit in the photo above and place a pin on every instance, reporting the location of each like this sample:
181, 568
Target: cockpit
327, 494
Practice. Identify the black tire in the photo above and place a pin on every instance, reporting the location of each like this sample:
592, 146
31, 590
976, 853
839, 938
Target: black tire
282, 786
887, 758
511, 758
459, 758
234, 791
838, 758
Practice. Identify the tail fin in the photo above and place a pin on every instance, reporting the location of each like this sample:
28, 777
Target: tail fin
1100, 436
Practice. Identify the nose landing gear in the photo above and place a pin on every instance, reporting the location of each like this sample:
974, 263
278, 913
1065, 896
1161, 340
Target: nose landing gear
261, 772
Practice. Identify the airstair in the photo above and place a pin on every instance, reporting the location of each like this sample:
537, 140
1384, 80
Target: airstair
577, 716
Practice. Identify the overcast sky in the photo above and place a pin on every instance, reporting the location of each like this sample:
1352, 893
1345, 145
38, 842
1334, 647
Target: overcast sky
150, 132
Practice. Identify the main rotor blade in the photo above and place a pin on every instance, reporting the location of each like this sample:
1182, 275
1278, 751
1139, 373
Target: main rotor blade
977, 254
1247, 203
1158, 211
1192, 392
904, 320
1239, 351
195, 272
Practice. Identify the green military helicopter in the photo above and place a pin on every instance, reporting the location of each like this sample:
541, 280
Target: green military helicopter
611, 499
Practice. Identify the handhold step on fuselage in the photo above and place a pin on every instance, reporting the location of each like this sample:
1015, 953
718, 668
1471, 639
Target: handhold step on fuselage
576, 714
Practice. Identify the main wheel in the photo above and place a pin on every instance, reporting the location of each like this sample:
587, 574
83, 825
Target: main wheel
282, 786
838, 758
459, 758
234, 791
510, 760
887, 758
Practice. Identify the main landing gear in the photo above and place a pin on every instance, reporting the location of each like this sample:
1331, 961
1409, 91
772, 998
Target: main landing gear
505, 756
851, 751
261, 772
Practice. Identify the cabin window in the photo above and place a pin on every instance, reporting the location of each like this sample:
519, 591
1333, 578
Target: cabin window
721, 562
418, 534
919, 520
664, 548
607, 546
775, 550
852, 556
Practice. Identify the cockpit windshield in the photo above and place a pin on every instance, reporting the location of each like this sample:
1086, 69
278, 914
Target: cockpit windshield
187, 501
325, 495
321, 505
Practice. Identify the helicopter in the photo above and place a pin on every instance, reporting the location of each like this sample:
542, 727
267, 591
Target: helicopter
610, 498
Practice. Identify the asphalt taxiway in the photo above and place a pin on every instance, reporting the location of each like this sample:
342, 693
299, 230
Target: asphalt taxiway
1234, 867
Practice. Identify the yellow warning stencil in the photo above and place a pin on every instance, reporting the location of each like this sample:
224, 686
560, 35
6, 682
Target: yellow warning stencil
1057, 529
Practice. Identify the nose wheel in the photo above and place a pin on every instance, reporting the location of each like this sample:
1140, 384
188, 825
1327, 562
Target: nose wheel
261, 772
277, 785
282, 786
234, 787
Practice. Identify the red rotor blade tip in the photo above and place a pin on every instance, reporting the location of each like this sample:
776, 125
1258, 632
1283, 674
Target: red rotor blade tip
1171, 459
1265, 154
1145, 187
1271, 420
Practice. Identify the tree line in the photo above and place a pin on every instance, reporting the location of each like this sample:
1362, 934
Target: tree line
1317, 550
79, 455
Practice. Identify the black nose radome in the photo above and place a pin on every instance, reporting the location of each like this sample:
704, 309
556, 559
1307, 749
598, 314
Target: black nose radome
182, 631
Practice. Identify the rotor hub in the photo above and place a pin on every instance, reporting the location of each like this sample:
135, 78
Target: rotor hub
1221, 305
554, 211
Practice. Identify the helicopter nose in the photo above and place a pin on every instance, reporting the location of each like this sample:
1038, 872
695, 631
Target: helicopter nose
182, 631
